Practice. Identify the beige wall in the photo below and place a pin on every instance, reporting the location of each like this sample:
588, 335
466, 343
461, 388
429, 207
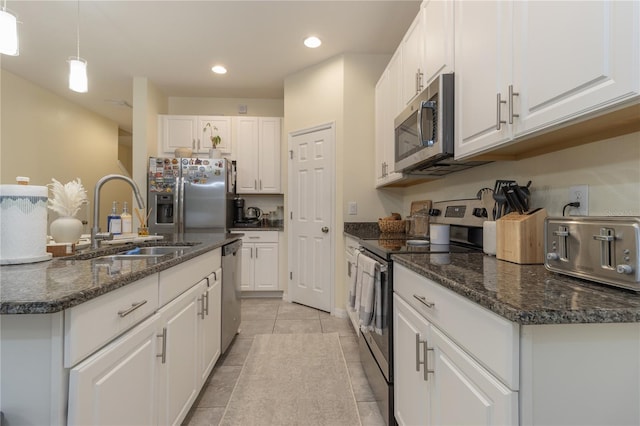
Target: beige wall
225, 106
44, 136
340, 90
610, 167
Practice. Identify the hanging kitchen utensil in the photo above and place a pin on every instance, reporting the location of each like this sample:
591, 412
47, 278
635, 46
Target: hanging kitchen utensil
486, 197
501, 201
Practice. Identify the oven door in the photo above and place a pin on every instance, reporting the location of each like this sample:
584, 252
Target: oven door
380, 344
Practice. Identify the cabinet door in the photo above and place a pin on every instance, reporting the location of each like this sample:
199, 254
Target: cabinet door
266, 266
438, 38
102, 388
459, 381
483, 40
413, 60
269, 155
247, 268
210, 325
411, 390
179, 370
246, 131
571, 58
178, 131
220, 126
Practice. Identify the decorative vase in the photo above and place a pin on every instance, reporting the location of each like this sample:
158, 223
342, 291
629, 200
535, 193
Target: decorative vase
66, 229
214, 153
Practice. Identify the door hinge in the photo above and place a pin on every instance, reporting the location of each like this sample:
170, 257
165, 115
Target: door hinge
291, 154
291, 215
290, 275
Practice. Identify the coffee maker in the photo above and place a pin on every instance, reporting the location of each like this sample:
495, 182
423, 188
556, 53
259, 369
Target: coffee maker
238, 210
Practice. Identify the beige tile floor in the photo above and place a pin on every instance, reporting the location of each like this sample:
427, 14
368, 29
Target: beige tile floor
267, 316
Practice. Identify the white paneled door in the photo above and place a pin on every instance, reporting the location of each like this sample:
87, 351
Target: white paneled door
311, 204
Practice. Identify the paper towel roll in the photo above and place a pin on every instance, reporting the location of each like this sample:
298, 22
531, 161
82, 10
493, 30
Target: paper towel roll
489, 237
439, 233
23, 224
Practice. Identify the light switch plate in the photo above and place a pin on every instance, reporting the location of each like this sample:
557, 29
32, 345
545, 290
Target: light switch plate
353, 208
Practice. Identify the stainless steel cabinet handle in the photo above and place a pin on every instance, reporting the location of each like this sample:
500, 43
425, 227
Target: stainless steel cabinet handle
511, 95
255, 184
201, 300
499, 121
419, 86
206, 304
425, 359
260, 184
133, 307
193, 144
163, 355
424, 301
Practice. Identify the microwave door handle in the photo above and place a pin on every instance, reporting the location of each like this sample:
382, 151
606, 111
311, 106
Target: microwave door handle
424, 105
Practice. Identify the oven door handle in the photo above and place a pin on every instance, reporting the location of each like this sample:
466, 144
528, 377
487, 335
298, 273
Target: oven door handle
424, 301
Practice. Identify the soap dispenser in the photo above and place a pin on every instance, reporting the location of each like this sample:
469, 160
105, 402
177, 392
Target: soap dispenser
114, 221
127, 224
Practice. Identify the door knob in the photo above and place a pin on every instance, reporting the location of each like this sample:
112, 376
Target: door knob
325, 229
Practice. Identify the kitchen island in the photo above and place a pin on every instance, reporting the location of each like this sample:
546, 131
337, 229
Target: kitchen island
97, 339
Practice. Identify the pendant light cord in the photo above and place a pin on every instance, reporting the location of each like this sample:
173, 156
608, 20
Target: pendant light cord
77, 30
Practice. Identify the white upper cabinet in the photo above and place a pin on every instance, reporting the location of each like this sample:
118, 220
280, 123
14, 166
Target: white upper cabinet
387, 105
413, 60
523, 67
191, 131
438, 38
257, 142
573, 59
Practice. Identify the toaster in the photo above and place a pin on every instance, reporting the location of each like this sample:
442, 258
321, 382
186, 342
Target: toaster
602, 249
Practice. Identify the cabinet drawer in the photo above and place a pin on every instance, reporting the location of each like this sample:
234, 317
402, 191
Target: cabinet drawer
260, 237
175, 281
91, 325
492, 340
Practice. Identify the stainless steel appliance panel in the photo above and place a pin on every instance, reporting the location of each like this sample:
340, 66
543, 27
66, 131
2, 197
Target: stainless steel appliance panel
231, 293
601, 249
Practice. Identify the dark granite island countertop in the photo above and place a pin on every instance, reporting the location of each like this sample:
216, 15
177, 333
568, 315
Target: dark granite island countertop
58, 284
525, 294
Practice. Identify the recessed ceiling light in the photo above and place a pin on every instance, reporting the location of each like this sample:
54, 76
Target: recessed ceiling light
219, 69
312, 42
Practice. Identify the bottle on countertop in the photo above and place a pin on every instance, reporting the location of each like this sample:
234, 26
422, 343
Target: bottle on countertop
114, 221
127, 220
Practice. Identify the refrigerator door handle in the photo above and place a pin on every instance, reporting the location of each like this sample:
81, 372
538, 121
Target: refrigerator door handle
180, 197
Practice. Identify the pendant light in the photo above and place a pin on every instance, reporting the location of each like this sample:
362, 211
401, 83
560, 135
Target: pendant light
8, 32
77, 66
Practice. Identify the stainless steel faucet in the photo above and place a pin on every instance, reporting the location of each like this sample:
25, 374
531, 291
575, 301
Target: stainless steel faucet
96, 236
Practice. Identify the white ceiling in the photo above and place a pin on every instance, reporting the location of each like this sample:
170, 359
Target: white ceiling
175, 43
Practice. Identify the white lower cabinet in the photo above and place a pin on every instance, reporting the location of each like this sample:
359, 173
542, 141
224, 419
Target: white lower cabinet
152, 373
210, 330
435, 379
102, 388
259, 261
179, 378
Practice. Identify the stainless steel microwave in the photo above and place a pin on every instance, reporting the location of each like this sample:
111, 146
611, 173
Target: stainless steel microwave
424, 130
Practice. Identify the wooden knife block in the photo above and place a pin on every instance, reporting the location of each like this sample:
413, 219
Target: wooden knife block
520, 237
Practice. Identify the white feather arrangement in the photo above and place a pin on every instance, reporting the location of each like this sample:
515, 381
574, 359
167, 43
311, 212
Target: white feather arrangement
67, 199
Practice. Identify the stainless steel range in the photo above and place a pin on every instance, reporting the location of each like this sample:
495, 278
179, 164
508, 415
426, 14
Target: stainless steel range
602, 249
465, 218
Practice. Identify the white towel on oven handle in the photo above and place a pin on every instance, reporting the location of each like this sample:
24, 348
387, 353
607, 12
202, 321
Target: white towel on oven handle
369, 307
353, 283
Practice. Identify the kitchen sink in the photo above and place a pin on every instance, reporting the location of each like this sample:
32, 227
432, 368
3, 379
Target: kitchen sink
156, 251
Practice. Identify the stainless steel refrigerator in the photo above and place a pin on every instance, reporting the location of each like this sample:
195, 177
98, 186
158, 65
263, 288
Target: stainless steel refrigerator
190, 195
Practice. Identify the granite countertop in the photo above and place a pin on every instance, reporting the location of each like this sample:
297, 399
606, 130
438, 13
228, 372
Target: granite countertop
524, 294
63, 282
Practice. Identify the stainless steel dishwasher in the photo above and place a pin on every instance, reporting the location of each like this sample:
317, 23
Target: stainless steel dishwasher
230, 292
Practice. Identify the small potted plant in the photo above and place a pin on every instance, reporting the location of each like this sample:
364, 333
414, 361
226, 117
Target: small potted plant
215, 140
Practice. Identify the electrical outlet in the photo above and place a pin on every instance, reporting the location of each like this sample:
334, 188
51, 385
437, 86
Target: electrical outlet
353, 208
579, 193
